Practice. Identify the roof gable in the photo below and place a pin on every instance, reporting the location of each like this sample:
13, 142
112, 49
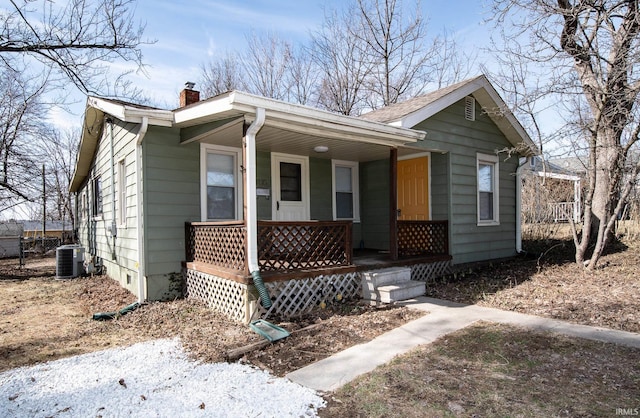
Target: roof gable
411, 112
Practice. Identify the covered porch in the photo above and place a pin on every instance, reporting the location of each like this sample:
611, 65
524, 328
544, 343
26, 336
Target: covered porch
294, 194
302, 263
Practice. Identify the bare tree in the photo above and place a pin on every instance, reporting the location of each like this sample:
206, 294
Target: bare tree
266, 64
448, 62
374, 53
393, 46
77, 38
21, 127
222, 75
303, 77
44, 46
62, 148
343, 65
592, 53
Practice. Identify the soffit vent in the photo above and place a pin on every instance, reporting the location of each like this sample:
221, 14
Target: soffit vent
469, 108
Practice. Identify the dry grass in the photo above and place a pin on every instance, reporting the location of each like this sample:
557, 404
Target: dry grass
496, 370
548, 283
489, 370
485, 370
45, 319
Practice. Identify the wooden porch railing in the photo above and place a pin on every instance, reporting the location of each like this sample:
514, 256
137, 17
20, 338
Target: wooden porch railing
416, 238
282, 246
287, 246
221, 244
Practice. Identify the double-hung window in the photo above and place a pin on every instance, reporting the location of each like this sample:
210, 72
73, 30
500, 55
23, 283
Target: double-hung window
345, 190
488, 186
220, 190
97, 197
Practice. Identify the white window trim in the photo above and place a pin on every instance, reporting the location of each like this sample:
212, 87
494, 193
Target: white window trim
236, 153
277, 157
355, 187
492, 160
122, 193
94, 203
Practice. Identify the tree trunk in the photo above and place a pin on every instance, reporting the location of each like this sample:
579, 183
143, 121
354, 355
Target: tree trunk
608, 174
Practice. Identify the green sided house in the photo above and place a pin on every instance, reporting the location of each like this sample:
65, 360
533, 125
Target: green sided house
268, 207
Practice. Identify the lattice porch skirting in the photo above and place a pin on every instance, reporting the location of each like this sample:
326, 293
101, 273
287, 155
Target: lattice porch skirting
295, 297
430, 271
290, 297
231, 298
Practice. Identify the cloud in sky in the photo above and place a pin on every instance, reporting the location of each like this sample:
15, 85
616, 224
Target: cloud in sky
189, 34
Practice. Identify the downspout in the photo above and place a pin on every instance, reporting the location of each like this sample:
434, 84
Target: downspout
252, 212
114, 232
139, 223
521, 166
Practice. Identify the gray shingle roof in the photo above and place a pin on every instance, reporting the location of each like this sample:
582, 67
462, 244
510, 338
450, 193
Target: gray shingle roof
399, 110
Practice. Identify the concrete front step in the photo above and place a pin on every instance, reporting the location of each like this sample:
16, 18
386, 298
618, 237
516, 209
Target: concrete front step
401, 291
372, 280
383, 277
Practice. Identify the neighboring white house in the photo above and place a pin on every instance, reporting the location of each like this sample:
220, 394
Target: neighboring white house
10, 236
553, 193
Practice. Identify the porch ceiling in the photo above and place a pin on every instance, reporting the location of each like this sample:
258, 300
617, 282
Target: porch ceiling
290, 140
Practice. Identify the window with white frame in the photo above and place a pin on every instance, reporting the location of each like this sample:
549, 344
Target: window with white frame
220, 189
81, 206
97, 197
122, 192
487, 171
345, 190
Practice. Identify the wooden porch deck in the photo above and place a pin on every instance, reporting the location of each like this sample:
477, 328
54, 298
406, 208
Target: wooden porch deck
365, 260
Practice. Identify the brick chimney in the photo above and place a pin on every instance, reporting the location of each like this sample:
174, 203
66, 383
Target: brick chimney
189, 95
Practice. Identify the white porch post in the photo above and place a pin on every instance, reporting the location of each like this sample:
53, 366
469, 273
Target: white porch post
251, 193
576, 201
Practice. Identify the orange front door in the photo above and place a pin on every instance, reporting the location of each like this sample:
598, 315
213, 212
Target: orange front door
413, 189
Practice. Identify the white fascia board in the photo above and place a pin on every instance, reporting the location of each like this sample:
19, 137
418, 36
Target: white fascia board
154, 117
306, 119
376, 134
557, 176
204, 110
106, 106
442, 103
300, 112
131, 114
324, 122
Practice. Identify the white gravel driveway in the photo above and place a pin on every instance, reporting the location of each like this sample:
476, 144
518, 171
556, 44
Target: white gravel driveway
151, 379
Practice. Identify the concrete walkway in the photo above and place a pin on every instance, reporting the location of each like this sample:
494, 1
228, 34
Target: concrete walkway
444, 317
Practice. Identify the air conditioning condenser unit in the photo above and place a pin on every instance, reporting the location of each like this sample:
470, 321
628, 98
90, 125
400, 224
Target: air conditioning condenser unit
69, 261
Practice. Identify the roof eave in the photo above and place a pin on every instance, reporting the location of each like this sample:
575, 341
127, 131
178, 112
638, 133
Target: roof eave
502, 116
91, 132
95, 111
295, 116
132, 114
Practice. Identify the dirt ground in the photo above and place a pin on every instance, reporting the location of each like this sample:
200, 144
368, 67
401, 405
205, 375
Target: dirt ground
494, 370
42, 318
546, 282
